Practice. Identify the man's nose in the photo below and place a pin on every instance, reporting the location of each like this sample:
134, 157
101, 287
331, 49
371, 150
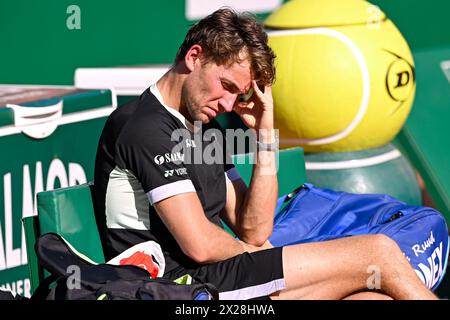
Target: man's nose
227, 101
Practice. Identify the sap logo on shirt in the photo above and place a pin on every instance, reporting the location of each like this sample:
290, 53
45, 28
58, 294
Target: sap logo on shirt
168, 158
179, 172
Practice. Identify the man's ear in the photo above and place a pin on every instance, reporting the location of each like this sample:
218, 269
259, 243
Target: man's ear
192, 56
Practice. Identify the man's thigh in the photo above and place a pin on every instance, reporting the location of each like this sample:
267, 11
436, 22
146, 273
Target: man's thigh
246, 276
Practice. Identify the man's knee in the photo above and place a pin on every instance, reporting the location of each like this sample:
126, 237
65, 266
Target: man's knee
384, 245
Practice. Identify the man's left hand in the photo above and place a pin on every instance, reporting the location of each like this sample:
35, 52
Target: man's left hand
257, 113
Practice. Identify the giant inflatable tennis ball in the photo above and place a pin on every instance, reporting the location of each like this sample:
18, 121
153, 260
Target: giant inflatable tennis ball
345, 75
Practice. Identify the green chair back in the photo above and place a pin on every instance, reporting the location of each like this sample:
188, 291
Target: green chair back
68, 212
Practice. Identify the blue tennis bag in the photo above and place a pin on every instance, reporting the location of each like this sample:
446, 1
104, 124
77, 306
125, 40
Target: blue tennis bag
311, 214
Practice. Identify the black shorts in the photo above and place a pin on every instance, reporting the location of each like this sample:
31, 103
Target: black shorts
246, 276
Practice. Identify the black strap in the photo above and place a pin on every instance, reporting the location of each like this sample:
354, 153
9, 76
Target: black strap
43, 289
289, 197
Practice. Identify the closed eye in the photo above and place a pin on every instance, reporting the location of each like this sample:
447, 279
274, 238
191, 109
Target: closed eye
229, 87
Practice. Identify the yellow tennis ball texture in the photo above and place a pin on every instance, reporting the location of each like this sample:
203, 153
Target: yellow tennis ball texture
345, 75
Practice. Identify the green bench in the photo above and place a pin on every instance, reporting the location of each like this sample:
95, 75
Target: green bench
70, 213
425, 137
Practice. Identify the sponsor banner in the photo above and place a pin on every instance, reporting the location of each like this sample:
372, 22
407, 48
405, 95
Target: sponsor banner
29, 165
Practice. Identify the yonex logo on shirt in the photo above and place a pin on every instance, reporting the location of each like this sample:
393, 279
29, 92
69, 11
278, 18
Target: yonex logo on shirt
168, 173
179, 172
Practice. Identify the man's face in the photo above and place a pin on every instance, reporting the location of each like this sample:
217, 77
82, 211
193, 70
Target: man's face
211, 89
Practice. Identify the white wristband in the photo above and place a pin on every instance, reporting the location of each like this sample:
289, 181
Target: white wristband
274, 146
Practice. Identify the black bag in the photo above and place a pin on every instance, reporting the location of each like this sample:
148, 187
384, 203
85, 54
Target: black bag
78, 279
8, 295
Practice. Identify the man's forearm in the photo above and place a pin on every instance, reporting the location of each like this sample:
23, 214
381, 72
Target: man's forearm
257, 212
220, 245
